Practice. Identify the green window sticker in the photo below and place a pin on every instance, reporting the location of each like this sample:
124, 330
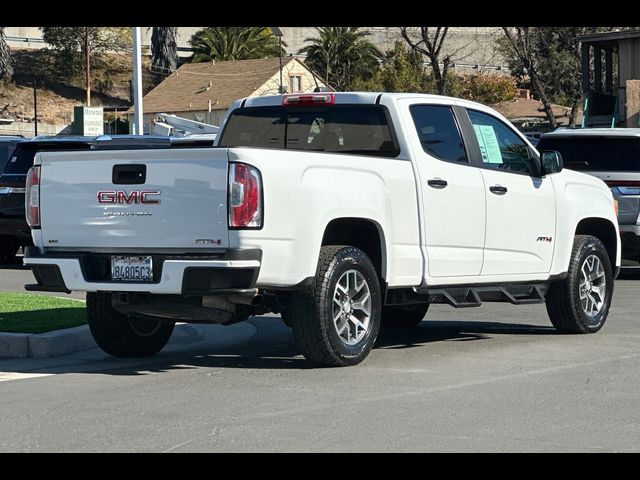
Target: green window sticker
488, 142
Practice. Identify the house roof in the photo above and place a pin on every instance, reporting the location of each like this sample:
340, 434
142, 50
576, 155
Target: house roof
609, 39
192, 86
522, 108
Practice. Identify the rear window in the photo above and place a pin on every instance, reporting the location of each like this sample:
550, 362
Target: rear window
20, 161
596, 154
6, 149
352, 129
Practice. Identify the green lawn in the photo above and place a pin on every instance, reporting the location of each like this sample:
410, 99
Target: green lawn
28, 313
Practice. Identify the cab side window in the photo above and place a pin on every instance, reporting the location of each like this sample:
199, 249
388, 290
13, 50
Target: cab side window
439, 133
500, 147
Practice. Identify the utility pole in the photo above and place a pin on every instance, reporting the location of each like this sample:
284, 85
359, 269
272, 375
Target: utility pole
87, 54
35, 109
137, 83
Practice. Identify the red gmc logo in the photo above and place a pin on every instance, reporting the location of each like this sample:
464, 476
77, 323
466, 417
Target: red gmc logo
120, 197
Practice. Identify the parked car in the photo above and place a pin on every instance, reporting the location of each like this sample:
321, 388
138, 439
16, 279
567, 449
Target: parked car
343, 212
14, 230
613, 155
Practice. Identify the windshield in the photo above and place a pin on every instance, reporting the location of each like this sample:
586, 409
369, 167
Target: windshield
596, 154
355, 129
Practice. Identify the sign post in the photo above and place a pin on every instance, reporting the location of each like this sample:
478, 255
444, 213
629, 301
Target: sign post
138, 118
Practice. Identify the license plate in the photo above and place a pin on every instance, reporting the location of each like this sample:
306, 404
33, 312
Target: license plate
137, 269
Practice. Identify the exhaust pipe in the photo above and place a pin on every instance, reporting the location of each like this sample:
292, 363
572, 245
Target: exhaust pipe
253, 299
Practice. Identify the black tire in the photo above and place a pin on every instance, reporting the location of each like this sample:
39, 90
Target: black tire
123, 335
403, 316
311, 310
8, 249
564, 305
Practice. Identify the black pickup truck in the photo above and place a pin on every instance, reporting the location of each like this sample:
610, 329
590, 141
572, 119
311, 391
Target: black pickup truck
14, 231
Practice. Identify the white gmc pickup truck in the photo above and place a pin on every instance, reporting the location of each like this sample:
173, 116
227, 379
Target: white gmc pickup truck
342, 212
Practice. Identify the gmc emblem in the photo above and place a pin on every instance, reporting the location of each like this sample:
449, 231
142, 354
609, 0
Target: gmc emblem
120, 197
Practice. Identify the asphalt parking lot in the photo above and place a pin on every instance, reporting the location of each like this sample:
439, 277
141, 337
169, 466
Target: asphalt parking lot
494, 378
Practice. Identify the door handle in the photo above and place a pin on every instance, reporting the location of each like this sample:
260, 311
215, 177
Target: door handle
437, 183
498, 189
129, 174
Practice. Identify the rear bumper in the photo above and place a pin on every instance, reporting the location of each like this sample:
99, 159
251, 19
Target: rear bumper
188, 275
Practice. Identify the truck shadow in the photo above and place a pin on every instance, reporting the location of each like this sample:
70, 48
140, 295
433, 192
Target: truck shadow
273, 347
446, 330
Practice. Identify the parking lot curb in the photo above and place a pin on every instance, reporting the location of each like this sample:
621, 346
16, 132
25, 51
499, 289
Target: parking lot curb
71, 340
60, 342
45, 345
14, 345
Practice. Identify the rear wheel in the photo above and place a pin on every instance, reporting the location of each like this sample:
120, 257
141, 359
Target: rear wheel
335, 321
125, 335
8, 249
403, 316
580, 303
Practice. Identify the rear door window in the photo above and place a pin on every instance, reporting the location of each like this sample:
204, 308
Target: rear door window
352, 129
596, 154
6, 149
20, 161
439, 133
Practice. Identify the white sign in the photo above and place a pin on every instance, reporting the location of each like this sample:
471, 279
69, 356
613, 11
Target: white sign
93, 121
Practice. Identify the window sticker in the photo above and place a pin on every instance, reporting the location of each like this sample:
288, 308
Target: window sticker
488, 144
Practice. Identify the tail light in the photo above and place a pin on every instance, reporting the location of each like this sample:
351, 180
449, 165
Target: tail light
32, 197
308, 100
245, 196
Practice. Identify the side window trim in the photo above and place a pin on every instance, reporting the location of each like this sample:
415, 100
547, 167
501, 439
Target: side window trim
477, 155
468, 136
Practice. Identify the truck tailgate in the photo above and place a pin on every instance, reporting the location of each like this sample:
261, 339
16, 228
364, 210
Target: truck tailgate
180, 201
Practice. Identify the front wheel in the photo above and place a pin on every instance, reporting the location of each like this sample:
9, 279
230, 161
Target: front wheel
125, 335
580, 302
335, 321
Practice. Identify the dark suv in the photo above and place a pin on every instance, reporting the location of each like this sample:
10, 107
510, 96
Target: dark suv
613, 155
14, 231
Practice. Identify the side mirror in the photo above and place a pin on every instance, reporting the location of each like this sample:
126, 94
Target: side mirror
551, 161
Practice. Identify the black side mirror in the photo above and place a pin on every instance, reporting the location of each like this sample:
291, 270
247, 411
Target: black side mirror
551, 161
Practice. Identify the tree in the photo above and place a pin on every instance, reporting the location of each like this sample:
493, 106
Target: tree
403, 71
341, 55
76, 47
164, 49
234, 43
430, 43
6, 64
550, 58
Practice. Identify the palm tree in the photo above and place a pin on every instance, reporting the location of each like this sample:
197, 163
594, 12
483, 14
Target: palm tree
341, 55
6, 67
234, 43
164, 49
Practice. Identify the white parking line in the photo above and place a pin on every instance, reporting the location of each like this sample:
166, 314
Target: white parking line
9, 376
